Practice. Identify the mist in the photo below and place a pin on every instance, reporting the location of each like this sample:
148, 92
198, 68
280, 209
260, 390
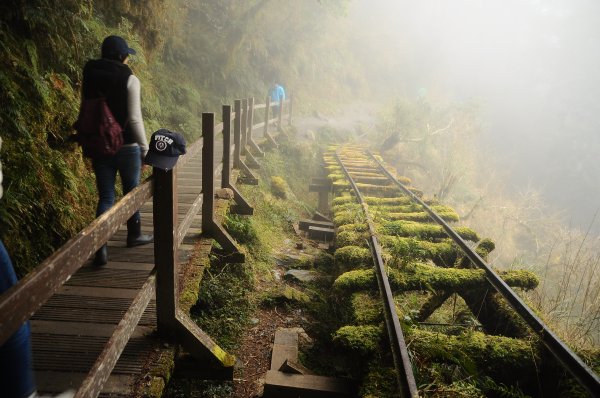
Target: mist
532, 66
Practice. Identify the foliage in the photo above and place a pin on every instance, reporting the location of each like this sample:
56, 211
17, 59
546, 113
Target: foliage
360, 340
424, 276
223, 308
191, 56
279, 187
241, 229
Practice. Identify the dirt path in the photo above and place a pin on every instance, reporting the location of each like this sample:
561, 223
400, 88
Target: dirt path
255, 352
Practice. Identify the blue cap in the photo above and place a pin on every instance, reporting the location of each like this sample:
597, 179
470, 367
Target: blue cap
164, 149
115, 47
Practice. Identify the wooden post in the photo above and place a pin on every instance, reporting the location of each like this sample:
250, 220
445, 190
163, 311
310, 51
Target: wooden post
208, 170
250, 118
279, 126
209, 225
165, 248
244, 127
290, 111
267, 111
237, 106
226, 170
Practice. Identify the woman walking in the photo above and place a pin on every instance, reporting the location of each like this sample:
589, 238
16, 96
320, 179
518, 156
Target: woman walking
111, 78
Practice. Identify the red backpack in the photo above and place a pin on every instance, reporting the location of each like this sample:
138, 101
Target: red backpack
98, 132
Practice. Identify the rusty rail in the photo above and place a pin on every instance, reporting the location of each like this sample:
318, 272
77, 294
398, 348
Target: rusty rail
406, 379
571, 361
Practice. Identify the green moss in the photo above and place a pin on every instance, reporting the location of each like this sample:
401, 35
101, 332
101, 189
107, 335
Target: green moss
424, 231
366, 309
422, 216
154, 388
241, 229
279, 187
410, 207
351, 238
507, 360
428, 277
356, 280
359, 226
359, 340
350, 216
342, 200
379, 382
283, 294
350, 257
443, 254
347, 206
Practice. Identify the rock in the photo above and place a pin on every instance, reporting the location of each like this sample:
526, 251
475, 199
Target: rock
259, 386
283, 294
276, 275
289, 261
224, 193
300, 275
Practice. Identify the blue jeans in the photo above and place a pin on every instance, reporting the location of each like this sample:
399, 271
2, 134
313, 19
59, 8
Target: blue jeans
16, 364
128, 162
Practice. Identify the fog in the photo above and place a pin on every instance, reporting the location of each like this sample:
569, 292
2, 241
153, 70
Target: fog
533, 66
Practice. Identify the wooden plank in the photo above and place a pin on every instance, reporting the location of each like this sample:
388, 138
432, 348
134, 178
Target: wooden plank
49, 382
106, 277
285, 347
319, 188
95, 291
70, 353
129, 266
188, 219
295, 367
304, 224
318, 233
39, 327
100, 372
284, 385
320, 217
110, 313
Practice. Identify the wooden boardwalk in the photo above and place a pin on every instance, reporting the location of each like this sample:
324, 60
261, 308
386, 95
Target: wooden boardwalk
71, 329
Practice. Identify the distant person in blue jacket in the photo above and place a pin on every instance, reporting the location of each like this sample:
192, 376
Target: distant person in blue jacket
16, 370
277, 94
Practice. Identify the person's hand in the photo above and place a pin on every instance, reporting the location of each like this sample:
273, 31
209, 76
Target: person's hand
144, 165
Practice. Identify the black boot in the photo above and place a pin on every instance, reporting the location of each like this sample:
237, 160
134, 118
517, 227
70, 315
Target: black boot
101, 257
134, 234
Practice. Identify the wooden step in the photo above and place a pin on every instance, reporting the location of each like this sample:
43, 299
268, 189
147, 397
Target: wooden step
306, 223
285, 346
289, 385
318, 233
288, 378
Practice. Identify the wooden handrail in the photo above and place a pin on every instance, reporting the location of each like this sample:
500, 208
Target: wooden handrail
22, 300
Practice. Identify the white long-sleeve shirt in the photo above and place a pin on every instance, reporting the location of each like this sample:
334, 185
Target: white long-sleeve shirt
134, 107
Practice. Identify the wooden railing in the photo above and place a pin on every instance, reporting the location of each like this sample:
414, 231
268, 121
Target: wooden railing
21, 301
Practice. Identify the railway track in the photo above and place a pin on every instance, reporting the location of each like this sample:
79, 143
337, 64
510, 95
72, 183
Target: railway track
466, 328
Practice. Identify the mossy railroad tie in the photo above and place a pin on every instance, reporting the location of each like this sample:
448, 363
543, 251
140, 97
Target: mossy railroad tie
425, 269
